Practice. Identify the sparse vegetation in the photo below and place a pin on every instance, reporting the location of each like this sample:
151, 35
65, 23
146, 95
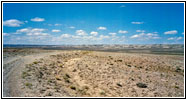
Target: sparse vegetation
102, 93
25, 74
35, 62
29, 85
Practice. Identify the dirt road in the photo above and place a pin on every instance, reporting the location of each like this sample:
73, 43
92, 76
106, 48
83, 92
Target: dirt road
12, 69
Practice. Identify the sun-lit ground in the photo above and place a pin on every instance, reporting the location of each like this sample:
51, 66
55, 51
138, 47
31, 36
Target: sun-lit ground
61, 73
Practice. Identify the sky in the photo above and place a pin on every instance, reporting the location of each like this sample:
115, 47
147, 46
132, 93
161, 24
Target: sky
93, 23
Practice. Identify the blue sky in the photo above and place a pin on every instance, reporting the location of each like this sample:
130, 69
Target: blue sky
93, 23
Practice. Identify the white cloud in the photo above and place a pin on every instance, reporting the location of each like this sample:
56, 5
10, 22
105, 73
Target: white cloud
122, 6
24, 30
183, 33
6, 34
80, 32
37, 30
136, 36
171, 38
12, 23
103, 37
58, 24
171, 32
179, 38
55, 30
37, 19
141, 31
101, 28
151, 34
143, 36
94, 33
175, 38
65, 36
155, 32
137, 22
72, 27
75, 37
113, 34
37, 34
32, 32
121, 31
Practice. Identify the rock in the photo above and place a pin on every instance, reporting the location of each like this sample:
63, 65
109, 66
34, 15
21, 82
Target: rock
74, 70
73, 87
119, 84
141, 85
119, 60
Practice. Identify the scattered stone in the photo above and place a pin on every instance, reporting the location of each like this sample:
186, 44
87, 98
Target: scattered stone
74, 70
141, 85
111, 64
178, 69
67, 75
73, 87
57, 77
118, 84
119, 60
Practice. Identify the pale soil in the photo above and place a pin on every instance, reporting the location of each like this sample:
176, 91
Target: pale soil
94, 74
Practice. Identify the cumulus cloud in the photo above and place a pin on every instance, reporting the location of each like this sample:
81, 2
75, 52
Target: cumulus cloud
175, 38
80, 32
55, 30
32, 31
58, 24
94, 33
72, 27
179, 38
143, 36
113, 34
38, 34
37, 19
6, 34
171, 32
37, 30
141, 31
171, 38
137, 22
122, 31
12, 23
24, 30
101, 28
103, 37
65, 36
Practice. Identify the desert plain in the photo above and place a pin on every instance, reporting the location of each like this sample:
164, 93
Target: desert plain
94, 71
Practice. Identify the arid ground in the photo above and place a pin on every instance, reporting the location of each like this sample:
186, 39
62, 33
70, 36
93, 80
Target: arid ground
33, 72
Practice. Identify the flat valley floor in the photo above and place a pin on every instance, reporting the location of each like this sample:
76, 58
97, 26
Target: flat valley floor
81, 73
